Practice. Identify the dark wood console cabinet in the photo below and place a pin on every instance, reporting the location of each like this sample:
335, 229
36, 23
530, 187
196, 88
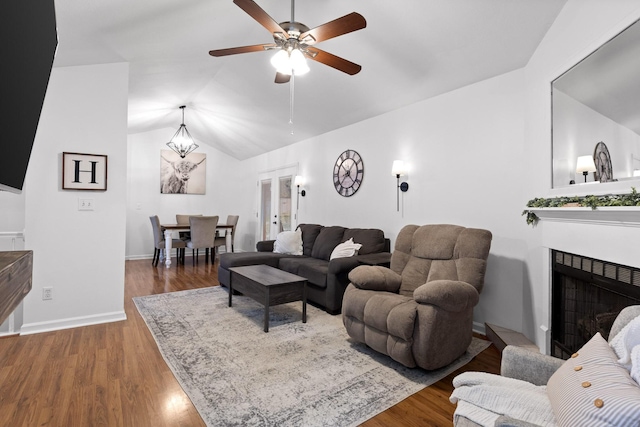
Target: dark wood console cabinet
15, 280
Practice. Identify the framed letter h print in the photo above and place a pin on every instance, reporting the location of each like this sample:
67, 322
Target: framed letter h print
84, 171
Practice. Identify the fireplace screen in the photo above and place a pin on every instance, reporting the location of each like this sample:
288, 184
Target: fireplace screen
587, 295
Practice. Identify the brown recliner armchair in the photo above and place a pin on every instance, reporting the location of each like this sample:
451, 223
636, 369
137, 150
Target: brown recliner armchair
420, 311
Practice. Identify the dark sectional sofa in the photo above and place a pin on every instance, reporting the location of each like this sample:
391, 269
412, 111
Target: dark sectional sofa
327, 279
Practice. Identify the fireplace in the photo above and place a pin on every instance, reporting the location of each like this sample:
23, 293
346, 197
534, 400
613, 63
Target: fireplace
587, 294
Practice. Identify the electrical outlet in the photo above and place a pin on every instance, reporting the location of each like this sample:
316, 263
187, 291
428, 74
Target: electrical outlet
47, 294
85, 204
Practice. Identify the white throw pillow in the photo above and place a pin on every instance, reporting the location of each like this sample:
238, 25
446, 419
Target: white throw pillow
345, 249
288, 242
626, 345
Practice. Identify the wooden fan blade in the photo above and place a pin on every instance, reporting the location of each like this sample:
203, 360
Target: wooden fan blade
334, 61
282, 78
257, 13
242, 49
348, 23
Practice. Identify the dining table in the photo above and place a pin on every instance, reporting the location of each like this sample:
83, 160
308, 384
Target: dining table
169, 229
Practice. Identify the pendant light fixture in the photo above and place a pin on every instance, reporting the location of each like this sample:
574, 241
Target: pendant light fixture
182, 143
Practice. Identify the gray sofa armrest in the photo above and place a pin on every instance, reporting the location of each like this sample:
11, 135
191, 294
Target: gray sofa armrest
342, 265
346, 264
527, 365
450, 295
375, 278
265, 246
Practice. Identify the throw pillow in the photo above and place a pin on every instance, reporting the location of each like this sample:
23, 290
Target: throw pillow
592, 389
345, 249
626, 345
288, 242
327, 240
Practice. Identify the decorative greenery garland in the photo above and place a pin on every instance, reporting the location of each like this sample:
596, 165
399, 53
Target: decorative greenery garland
630, 199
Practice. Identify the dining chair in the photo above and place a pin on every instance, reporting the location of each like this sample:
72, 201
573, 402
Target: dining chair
184, 220
221, 239
203, 234
159, 243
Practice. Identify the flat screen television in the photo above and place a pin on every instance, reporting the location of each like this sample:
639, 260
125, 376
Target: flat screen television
29, 41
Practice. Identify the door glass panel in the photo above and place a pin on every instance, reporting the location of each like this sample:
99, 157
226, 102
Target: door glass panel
284, 203
265, 208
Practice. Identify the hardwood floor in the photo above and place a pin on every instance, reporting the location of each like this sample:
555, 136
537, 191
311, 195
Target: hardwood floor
114, 375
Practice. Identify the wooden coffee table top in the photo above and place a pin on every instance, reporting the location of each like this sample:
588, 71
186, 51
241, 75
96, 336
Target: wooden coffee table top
267, 275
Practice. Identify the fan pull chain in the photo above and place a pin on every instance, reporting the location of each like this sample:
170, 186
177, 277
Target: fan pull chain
291, 91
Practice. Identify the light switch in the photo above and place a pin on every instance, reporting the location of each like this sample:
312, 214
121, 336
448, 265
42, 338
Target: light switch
85, 204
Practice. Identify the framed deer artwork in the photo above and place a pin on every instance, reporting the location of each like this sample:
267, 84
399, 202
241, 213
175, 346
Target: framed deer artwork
182, 176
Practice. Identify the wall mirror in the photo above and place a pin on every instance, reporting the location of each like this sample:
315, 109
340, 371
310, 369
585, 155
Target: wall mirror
596, 113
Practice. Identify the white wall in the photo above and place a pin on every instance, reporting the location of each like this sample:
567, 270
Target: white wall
577, 129
143, 190
464, 151
476, 156
579, 29
80, 254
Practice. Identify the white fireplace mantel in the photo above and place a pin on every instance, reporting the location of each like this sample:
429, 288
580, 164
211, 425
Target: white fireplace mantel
628, 216
607, 233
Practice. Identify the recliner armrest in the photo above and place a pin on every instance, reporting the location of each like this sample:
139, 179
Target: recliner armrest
450, 295
375, 278
527, 365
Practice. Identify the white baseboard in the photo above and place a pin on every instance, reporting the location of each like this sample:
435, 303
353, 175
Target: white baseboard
150, 256
479, 328
72, 322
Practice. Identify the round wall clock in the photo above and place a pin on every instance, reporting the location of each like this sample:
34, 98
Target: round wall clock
602, 159
348, 173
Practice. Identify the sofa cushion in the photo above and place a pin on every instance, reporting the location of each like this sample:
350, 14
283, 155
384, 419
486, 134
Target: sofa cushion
326, 241
315, 271
309, 234
290, 264
592, 389
371, 239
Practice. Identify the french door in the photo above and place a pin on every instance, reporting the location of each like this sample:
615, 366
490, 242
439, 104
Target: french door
276, 203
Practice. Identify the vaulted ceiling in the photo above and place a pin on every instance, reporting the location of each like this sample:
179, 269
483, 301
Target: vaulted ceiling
410, 50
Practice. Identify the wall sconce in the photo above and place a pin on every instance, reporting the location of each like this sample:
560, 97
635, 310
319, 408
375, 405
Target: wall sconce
585, 165
298, 181
398, 169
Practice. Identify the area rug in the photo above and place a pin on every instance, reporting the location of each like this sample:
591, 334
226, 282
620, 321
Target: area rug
297, 374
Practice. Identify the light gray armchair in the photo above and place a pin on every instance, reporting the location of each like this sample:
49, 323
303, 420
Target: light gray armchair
420, 311
537, 369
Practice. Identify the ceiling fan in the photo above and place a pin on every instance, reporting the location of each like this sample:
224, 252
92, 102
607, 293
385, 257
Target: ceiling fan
295, 42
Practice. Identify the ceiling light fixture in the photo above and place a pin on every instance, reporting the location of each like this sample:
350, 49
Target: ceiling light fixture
182, 142
290, 62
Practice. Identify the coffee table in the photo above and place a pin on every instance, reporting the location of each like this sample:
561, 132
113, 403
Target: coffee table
268, 286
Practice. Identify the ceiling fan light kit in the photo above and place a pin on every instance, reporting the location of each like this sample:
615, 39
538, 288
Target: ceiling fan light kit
290, 62
295, 41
